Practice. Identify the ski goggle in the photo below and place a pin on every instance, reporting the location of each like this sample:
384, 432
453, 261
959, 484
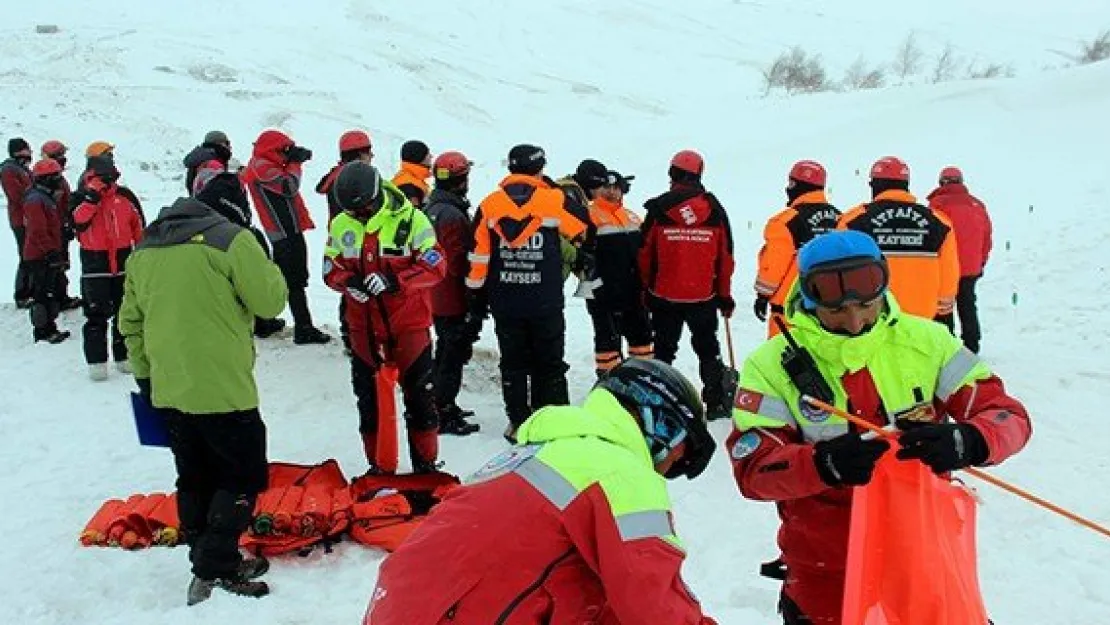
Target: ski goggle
853, 280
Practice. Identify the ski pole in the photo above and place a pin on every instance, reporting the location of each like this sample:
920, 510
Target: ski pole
728, 339
982, 475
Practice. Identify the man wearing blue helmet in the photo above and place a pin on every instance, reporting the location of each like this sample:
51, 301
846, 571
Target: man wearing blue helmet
850, 345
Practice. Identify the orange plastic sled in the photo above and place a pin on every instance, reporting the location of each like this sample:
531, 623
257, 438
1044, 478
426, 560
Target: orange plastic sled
911, 551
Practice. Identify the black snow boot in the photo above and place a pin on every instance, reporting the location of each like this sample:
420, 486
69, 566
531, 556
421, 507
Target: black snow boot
309, 335
453, 421
53, 336
72, 303
265, 328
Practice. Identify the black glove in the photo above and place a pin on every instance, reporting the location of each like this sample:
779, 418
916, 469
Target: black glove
848, 460
760, 307
298, 154
477, 309
144, 387
92, 196
585, 264
943, 446
68, 233
726, 304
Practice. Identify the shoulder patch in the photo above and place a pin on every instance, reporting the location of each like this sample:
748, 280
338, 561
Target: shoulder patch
745, 445
348, 238
504, 462
813, 413
432, 257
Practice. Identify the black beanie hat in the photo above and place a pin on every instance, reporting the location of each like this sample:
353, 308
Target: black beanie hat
415, 152
527, 159
17, 145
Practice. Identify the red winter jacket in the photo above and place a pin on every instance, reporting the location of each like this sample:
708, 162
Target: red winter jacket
274, 186
325, 186
816, 518
415, 271
687, 250
107, 230
42, 216
16, 180
448, 213
971, 223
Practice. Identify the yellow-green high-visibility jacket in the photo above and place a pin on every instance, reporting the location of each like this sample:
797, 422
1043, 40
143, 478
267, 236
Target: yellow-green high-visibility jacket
571, 526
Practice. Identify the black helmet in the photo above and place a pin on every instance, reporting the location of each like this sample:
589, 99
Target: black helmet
359, 187
670, 411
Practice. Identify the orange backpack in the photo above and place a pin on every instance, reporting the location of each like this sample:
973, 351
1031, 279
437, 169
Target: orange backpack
305, 505
387, 508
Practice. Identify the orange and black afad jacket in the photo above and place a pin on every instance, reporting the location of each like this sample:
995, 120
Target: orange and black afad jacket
517, 257
412, 180
920, 248
809, 215
617, 246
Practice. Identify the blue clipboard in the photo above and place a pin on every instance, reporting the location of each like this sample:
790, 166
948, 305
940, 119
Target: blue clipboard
150, 423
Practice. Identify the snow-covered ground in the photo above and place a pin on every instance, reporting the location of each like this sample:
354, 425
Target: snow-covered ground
628, 83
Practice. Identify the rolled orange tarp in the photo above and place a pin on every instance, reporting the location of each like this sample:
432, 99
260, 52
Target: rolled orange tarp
96, 530
387, 453
911, 551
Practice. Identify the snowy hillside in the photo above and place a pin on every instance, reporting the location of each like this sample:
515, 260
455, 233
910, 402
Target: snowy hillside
625, 82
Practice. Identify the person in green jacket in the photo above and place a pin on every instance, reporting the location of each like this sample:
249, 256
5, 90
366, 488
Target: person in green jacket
194, 287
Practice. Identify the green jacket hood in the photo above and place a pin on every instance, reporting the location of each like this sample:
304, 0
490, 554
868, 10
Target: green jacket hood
180, 222
600, 416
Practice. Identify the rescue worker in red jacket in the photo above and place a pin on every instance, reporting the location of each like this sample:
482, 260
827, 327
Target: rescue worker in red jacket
686, 264
15, 177
56, 150
43, 250
382, 255
516, 274
273, 180
416, 168
449, 211
867, 357
972, 225
100, 152
616, 305
108, 228
924, 265
807, 214
354, 145
537, 536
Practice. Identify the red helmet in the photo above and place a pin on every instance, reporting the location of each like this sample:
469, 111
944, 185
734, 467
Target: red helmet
810, 172
46, 167
53, 148
354, 140
950, 175
890, 168
451, 165
688, 161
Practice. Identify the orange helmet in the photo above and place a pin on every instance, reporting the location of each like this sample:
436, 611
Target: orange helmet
98, 148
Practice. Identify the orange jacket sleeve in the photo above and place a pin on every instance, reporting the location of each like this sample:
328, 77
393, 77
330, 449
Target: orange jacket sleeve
949, 259
775, 257
480, 255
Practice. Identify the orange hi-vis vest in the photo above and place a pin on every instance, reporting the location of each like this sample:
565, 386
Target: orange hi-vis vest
517, 256
809, 215
920, 247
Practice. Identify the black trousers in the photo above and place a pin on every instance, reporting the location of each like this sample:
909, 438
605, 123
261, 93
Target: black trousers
533, 369
968, 312
221, 467
453, 351
47, 290
668, 319
611, 325
22, 278
291, 256
102, 296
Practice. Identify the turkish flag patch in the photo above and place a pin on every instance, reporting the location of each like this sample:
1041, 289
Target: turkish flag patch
748, 401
